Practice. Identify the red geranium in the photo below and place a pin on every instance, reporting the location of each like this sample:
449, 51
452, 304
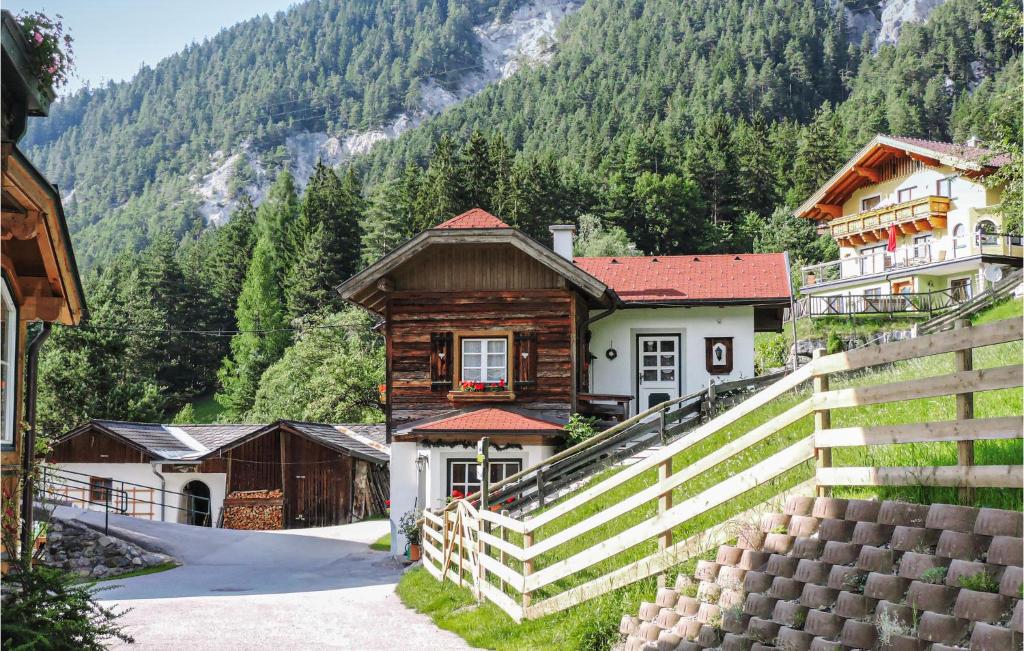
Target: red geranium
457, 494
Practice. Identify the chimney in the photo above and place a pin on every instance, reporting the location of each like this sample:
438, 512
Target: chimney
973, 141
561, 239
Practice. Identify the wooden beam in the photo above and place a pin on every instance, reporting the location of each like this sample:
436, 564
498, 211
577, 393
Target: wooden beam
19, 226
908, 228
41, 308
869, 236
922, 225
936, 221
996, 476
986, 379
867, 172
830, 209
982, 429
856, 239
927, 160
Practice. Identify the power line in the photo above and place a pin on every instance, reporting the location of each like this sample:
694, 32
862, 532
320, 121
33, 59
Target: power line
219, 332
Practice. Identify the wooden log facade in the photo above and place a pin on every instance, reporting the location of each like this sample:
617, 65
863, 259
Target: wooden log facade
543, 322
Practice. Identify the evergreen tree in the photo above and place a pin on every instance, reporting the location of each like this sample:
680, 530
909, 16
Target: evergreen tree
440, 194
384, 227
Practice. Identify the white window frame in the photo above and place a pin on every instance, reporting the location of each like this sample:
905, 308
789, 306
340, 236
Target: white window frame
509, 467
909, 190
485, 352
948, 180
9, 364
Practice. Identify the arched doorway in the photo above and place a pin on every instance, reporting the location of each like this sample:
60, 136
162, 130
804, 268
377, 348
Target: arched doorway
197, 504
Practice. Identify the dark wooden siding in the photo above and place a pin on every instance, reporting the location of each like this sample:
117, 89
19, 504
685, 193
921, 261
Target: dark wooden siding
95, 446
256, 464
318, 484
547, 314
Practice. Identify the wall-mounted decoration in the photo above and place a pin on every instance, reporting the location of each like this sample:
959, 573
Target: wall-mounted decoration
611, 353
718, 355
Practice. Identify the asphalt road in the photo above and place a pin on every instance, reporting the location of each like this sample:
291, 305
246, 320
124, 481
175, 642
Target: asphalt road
305, 589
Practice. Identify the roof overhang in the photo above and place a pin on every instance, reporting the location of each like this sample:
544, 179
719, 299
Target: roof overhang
97, 426
368, 288
37, 244
291, 428
826, 203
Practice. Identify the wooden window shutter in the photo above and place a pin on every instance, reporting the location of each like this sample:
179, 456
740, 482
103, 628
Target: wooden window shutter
441, 361
524, 366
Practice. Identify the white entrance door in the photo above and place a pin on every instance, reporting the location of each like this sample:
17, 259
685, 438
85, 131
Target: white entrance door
658, 370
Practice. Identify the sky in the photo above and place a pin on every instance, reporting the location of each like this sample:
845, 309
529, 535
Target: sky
113, 38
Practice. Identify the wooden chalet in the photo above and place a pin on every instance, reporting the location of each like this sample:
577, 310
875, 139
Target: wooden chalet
326, 474
40, 279
490, 333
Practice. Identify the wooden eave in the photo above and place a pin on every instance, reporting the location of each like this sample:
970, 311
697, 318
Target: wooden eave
95, 426
369, 287
826, 203
41, 254
291, 429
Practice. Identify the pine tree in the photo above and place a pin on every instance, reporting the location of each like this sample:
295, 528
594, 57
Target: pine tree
383, 227
477, 172
440, 195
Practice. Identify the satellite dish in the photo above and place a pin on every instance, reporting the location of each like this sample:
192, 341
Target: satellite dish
993, 274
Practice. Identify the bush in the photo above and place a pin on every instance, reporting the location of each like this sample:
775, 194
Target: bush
980, 582
579, 428
49, 609
770, 351
834, 343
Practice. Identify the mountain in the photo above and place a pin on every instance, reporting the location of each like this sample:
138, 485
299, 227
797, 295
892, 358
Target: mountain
380, 80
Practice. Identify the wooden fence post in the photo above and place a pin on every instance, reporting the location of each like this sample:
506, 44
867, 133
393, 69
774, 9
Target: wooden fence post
822, 421
527, 568
965, 411
483, 457
665, 499
501, 553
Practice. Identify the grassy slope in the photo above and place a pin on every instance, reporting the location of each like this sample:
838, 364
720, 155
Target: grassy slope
207, 409
593, 625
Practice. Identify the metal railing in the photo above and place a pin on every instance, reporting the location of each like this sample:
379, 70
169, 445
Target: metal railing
57, 486
908, 257
923, 303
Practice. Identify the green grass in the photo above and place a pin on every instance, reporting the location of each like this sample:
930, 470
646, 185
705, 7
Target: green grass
162, 567
1005, 310
593, 625
382, 544
207, 409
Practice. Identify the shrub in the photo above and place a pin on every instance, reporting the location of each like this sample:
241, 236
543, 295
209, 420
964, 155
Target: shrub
47, 608
834, 343
770, 351
980, 582
579, 428
407, 525
935, 575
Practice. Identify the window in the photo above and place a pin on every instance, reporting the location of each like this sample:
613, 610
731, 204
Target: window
8, 363
99, 488
906, 194
872, 259
464, 474
923, 246
870, 202
874, 291
959, 236
960, 289
986, 233
944, 187
485, 360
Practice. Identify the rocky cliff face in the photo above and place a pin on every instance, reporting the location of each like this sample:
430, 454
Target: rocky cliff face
526, 38
882, 20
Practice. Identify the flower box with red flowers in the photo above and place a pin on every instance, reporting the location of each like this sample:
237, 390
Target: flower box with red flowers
470, 391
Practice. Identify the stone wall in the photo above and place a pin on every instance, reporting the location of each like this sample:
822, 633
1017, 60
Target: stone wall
75, 547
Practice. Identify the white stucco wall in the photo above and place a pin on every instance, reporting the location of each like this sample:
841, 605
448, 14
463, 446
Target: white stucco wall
619, 331
405, 476
142, 473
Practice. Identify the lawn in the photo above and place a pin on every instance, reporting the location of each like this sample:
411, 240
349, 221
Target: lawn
162, 567
593, 625
382, 544
207, 409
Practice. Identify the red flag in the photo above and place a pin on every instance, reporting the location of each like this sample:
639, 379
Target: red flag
891, 247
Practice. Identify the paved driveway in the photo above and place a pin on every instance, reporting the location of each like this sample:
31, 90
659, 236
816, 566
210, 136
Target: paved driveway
304, 589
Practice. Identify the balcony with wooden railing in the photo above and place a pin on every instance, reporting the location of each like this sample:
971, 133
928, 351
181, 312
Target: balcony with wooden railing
915, 216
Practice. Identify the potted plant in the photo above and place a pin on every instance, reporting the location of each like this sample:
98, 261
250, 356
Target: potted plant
411, 530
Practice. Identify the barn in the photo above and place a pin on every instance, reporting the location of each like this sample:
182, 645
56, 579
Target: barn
286, 474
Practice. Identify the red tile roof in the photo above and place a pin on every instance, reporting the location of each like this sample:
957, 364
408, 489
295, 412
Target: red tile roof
743, 277
474, 218
490, 420
979, 155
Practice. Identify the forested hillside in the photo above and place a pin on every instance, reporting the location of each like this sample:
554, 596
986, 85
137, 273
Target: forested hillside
688, 125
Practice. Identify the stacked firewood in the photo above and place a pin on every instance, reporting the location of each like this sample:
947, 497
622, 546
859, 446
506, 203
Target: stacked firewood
258, 510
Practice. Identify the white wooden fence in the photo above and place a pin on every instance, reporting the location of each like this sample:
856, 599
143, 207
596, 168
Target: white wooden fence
562, 553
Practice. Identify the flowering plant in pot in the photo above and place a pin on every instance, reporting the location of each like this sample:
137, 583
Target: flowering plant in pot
411, 530
472, 387
50, 49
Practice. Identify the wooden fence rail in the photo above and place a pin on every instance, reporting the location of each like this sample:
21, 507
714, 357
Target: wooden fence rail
562, 554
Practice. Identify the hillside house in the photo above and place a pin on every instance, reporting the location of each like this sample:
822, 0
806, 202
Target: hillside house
490, 333
40, 279
917, 229
328, 474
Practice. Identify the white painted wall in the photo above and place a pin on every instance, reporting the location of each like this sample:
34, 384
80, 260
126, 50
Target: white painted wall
403, 489
619, 331
142, 473
407, 482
